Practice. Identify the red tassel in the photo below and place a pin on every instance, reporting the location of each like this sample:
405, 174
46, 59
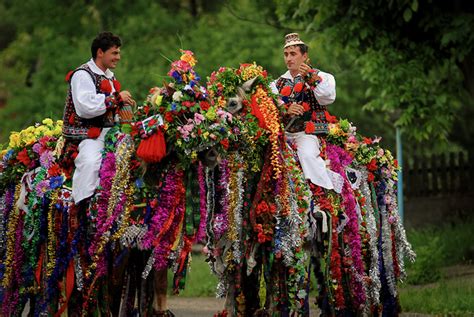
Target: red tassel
39, 267
69, 287
152, 149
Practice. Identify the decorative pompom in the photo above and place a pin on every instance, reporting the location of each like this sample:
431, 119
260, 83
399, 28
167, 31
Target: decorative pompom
153, 148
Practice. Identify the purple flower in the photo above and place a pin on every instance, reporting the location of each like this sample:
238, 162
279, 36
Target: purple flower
38, 148
46, 159
42, 187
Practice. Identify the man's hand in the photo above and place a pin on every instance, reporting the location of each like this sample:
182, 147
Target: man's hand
304, 69
127, 98
295, 109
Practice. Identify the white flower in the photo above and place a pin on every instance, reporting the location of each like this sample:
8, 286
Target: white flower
177, 95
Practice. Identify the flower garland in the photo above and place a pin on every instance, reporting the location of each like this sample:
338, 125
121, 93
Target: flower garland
167, 216
115, 207
271, 117
201, 234
375, 284
13, 220
339, 160
221, 221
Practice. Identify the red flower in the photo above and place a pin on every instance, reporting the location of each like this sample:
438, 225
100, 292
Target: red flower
117, 85
93, 133
298, 87
204, 105
54, 170
395, 163
105, 86
188, 104
264, 74
285, 91
306, 106
310, 128
68, 76
314, 116
23, 157
329, 118
370, 177
367, 140
225, 143
372, 166
169, 117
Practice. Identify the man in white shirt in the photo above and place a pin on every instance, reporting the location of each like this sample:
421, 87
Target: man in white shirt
305, 93
93, 98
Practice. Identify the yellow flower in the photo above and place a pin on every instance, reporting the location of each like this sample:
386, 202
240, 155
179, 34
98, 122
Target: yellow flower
3, 152
49, 133
40, 130
57, 130
189, 58
193, 155
158, 99
59, 123
179, 142
14, 140
205, 135
47, 121
211, 114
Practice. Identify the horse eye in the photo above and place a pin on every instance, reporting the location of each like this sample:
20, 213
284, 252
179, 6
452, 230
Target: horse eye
232, 103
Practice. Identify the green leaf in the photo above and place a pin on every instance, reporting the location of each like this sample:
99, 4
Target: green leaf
407, 15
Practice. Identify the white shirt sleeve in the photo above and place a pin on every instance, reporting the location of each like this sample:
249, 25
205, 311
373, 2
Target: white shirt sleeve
88, 103
274, 88
325, 92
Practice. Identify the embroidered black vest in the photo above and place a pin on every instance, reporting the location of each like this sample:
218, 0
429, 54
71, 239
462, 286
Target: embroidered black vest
75, 127
315, 114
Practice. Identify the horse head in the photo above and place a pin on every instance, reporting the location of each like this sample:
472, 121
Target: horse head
234, 104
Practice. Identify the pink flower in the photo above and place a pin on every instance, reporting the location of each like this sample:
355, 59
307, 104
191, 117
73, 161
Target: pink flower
352, 139
188, 127
380, 152
198, 118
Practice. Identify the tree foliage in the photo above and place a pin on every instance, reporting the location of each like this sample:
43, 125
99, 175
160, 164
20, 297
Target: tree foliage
414, 55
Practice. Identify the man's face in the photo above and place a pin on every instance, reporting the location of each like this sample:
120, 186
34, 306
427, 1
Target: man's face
110, 57
294, 58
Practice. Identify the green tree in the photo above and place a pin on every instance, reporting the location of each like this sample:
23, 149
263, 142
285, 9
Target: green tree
416, 56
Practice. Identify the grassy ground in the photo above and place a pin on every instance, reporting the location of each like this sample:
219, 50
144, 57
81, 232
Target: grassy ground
449, 296
441, 281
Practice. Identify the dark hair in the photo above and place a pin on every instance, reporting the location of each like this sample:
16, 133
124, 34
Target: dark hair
303, 48
104, 41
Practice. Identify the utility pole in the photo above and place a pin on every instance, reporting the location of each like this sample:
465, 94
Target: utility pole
400, 172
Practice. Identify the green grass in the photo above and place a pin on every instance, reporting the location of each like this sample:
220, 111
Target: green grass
200, 282
454, 297
438, 247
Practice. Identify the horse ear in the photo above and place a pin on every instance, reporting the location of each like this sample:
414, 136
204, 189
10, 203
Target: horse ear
247, 86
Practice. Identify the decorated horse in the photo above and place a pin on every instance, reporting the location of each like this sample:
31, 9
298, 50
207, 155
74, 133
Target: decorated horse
207, 165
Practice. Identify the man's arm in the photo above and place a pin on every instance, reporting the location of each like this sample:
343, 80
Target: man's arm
325, 91
88, 103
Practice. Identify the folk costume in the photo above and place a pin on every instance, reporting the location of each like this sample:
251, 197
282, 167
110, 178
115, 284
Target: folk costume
314, 93
89, 112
